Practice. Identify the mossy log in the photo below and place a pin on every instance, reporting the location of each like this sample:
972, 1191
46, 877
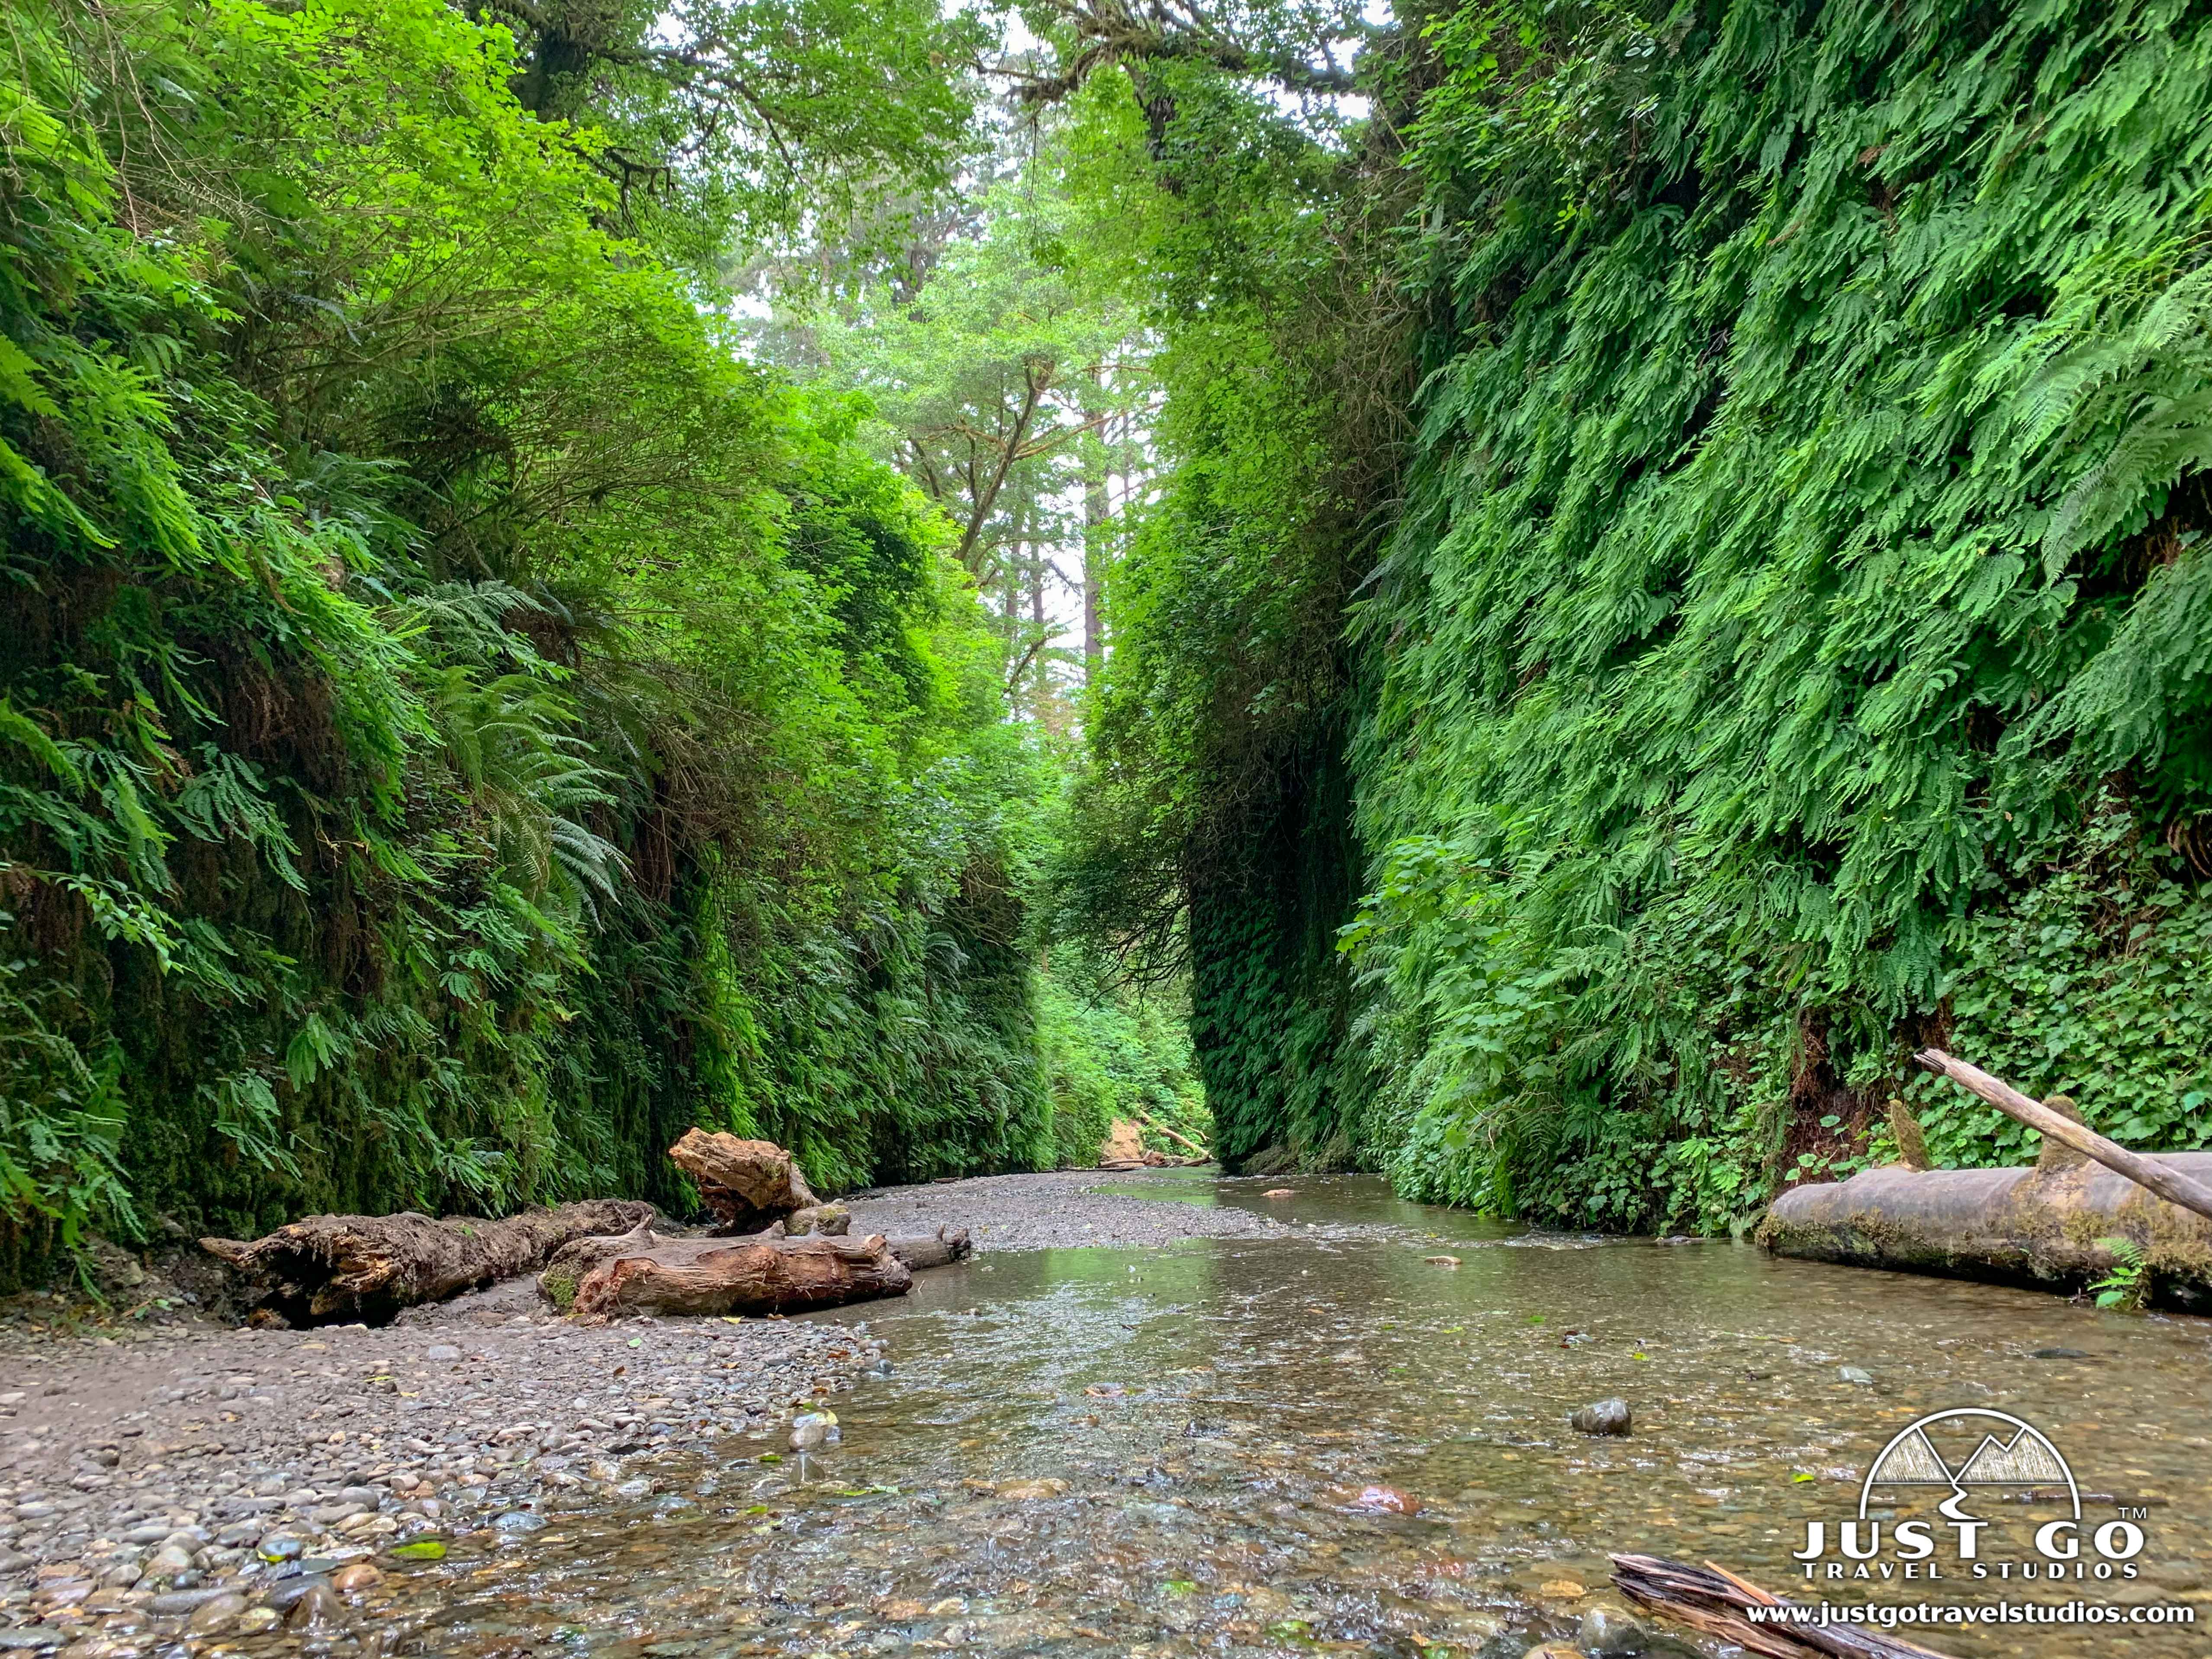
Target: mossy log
747, 1184
1719, 1603
331, 1269
2042, 1227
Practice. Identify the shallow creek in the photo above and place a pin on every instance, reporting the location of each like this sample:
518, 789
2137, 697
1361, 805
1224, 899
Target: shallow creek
1161, 1453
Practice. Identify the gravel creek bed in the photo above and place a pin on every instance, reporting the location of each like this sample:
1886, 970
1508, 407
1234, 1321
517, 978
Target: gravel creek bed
191, 1481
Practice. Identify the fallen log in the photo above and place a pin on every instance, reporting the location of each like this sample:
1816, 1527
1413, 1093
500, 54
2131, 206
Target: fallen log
2049, 1228
1714, 1601
746, 1183
737, 1276
2066, 1223
1180, 1139
331, 1269
641, 1271
947, 1246
2170, 1184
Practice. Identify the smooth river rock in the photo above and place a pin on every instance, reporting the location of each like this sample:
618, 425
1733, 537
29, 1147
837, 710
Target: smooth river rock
1604, 1417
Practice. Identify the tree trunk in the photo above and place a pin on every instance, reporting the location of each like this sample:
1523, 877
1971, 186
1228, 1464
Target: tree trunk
746, 1183
1097, 510
338, 1268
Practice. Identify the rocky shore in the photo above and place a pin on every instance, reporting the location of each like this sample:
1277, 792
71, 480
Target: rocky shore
167, 1476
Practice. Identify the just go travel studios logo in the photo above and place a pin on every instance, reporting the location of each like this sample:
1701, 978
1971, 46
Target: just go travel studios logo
1996, 1463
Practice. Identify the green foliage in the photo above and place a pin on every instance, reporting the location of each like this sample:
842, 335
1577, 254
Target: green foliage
1213, 829
1790, 492
1112, 1055
1790, 642
2126, 1285
459, 723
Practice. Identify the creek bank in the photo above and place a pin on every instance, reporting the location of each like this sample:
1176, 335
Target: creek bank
150, 1468
148, 1471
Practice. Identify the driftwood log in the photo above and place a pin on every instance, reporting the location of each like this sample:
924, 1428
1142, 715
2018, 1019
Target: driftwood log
646, 1273
332, 1269
643, 1272
1710, 1600
940, 1250
747, 1184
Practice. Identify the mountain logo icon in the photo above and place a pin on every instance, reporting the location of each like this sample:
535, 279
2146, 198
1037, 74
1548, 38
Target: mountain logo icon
2011, 1453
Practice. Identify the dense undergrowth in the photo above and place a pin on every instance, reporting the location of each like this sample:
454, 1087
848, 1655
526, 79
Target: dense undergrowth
1789, 637
461, 722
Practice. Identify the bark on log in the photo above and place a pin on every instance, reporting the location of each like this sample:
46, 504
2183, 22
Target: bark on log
1713, 1601
338, 1268
746, 1183
732, 1276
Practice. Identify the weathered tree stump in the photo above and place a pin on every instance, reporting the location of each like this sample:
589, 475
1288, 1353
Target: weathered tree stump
338, 1268
746, 1183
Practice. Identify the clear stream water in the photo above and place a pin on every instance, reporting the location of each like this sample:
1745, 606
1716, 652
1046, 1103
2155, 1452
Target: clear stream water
1161, 1453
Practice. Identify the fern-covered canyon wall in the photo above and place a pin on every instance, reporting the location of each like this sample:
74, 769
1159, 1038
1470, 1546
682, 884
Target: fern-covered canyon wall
465, 714
1772, 632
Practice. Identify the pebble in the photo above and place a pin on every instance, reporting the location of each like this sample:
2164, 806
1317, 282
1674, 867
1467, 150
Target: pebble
282, 1547
169, 1561
1609, 1633
186, 1600
215, 1614
1604, 1417
358, 1577
1852, 1374
319, 1609
285, 1592
519, 1521
439, 1353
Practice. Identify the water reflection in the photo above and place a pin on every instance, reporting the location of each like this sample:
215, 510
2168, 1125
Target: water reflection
1163, 1452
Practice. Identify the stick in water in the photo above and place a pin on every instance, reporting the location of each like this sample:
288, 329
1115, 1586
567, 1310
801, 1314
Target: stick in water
2169, 1184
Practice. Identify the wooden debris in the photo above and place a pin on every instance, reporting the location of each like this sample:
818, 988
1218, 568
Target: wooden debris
1711, 1600
2169, 1183
652, 1274
340, 1268
946, 1246
746, 1183
1912, 1143
644, 1272
1160, 1128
